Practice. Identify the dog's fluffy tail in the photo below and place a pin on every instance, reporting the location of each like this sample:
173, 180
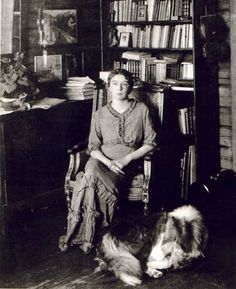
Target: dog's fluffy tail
120, 261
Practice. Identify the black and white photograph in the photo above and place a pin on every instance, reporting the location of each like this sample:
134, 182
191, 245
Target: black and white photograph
48, 67
118, 144
142, 13
124, 39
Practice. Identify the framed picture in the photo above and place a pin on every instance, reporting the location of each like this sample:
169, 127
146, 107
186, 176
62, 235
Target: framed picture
124, 39
142, 13
48, 67
60, 26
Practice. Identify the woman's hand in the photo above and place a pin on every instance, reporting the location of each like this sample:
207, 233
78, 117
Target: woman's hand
118, 165
116, 169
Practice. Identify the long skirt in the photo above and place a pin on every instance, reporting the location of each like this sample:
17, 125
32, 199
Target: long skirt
93, 204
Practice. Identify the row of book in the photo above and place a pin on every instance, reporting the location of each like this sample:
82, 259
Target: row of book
186, 120
150, 10
79, 88
150, 69
187, 170
179, 36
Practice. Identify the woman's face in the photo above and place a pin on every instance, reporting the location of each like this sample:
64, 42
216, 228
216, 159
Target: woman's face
119, 87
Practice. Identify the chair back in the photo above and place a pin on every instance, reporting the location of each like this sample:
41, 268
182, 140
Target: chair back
100, 97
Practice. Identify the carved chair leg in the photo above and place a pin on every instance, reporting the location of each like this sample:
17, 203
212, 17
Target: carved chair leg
145, 195
145, 209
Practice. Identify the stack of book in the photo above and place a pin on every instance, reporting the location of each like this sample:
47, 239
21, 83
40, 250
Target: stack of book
79, 88
133, 62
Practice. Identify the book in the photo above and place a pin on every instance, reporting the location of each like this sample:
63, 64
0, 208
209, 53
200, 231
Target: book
134, 55
178, 82
78, 79
46, 102
186, 70
79, 88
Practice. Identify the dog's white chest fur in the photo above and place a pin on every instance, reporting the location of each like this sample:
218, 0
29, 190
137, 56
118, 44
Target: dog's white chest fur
158, 258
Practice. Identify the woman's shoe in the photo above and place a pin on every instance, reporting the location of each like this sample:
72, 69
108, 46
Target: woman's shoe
62, 244
86, 247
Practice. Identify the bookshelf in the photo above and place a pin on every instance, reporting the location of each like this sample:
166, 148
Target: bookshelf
163, 50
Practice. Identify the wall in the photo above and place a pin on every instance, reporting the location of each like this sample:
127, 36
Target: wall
226, 142
233, 72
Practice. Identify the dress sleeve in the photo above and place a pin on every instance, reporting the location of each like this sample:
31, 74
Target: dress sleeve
95, 136
150, 136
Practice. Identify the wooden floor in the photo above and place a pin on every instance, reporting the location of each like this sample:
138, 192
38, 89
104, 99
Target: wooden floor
35, 262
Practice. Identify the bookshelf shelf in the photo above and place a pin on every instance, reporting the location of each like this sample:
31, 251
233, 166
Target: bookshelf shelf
181, 50
89, 47
170, 22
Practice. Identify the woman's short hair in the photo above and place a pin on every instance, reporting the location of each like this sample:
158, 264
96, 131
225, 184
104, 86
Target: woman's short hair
128, 76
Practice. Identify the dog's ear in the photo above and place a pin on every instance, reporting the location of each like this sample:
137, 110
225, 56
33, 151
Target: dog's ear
200, 234
185, 239
180, 231
171, 229
192, 237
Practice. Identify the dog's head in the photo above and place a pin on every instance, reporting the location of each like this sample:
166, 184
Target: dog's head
181, 239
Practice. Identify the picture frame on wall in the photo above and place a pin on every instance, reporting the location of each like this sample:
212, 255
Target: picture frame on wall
60, 26
48, 67
124, 39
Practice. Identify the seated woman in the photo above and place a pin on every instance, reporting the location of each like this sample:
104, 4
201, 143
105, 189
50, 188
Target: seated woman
121, 135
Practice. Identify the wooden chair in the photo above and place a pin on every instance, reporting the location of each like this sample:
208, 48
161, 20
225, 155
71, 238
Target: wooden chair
139, 189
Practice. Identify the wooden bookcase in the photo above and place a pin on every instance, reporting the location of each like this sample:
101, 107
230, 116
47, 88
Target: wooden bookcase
168, 31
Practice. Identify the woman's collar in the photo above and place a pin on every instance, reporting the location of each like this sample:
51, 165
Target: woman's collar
126, 112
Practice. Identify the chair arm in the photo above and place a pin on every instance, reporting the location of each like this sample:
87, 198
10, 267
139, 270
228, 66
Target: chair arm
78, 147
77, 162
149, 156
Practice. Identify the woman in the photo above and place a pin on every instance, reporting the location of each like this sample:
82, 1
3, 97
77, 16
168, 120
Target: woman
121, 135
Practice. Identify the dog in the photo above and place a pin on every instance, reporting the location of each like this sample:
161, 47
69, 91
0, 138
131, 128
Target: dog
152, 244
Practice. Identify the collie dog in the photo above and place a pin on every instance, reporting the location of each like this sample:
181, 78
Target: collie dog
152, 244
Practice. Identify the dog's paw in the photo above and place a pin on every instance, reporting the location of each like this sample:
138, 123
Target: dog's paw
102, 266
154, 273
130, 279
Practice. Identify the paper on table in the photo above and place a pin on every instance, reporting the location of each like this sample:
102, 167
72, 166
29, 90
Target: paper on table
2, 111
47, 102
